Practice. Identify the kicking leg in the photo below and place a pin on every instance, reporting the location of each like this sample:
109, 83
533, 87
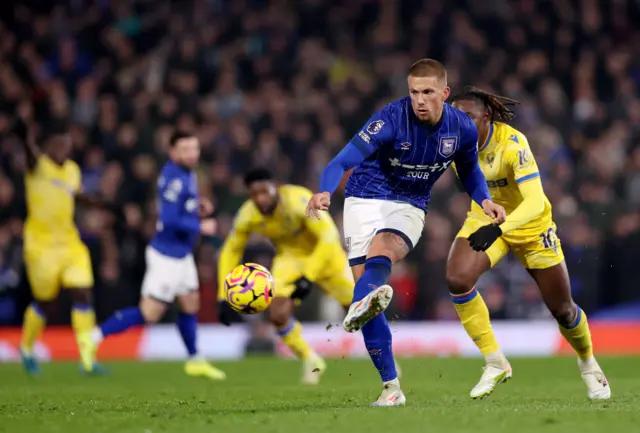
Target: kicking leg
555, 289
464, 267
188, 326
148, 311
290, 331
371, 295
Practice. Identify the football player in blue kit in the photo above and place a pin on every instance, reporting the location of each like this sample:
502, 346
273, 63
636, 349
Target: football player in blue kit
171, 269
397, 157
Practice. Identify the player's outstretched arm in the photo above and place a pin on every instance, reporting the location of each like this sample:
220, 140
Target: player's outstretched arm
378, 131
21, 130
348, 158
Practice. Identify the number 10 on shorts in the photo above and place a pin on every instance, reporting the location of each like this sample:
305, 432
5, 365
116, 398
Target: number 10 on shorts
548, 239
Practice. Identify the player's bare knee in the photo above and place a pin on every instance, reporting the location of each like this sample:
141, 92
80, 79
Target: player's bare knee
47, 307
152, 310
390, 245
564, 313
280, 312
460, 281
81, 296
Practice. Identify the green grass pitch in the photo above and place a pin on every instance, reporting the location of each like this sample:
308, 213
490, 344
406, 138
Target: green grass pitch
263, 395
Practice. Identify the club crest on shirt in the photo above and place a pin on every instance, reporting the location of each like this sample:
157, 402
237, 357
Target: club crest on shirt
374, 127
490, 158
447, 146
405, 146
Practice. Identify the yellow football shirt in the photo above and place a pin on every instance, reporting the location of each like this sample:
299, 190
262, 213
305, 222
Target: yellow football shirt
50, 194
507, 163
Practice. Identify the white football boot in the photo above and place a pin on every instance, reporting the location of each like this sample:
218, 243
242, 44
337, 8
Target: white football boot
312, 369
367, 308
597, 385
391, 395
496, 371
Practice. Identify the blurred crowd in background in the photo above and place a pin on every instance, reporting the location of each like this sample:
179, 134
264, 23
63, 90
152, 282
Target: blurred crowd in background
284, 85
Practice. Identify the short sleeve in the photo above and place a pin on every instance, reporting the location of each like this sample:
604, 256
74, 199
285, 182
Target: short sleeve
519, 157
378, 131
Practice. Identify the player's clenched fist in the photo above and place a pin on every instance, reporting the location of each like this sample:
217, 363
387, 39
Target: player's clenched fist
495, 211
318, 202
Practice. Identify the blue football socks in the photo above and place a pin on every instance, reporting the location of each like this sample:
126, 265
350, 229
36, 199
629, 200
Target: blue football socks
188, 325
121, 321
377, 334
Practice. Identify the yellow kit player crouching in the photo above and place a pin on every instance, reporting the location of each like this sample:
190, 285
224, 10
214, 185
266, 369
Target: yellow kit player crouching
54, 255
308, 251
514, 182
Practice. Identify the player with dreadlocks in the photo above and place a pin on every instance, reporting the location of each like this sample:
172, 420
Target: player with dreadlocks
514, 183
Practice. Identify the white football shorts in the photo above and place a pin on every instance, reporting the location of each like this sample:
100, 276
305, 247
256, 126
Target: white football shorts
168, 277
366, 217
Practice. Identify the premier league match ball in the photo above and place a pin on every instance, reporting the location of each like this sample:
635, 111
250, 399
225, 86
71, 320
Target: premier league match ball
249, 288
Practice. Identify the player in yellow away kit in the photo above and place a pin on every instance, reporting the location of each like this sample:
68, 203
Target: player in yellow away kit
514, 182
308, 251
54, 255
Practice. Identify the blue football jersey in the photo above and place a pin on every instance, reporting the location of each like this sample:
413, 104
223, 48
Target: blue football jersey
178, 224
409, 155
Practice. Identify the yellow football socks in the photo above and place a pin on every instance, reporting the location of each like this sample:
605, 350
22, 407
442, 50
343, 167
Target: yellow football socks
579, 336
291, 335
32, 326
474, 315
83, 318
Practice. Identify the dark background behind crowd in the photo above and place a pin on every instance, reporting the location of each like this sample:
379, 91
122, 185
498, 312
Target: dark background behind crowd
285, 84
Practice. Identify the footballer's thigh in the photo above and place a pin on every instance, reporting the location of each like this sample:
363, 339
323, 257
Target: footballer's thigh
77, 275
161, 284
380, 228
544, 260
464, 265
361, 219
44, 269
400, 230
285, 269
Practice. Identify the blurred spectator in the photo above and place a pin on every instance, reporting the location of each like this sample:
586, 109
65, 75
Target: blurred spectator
285, 84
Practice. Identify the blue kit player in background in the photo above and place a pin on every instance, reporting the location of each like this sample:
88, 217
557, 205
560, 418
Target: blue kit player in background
398, 156
171, 270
